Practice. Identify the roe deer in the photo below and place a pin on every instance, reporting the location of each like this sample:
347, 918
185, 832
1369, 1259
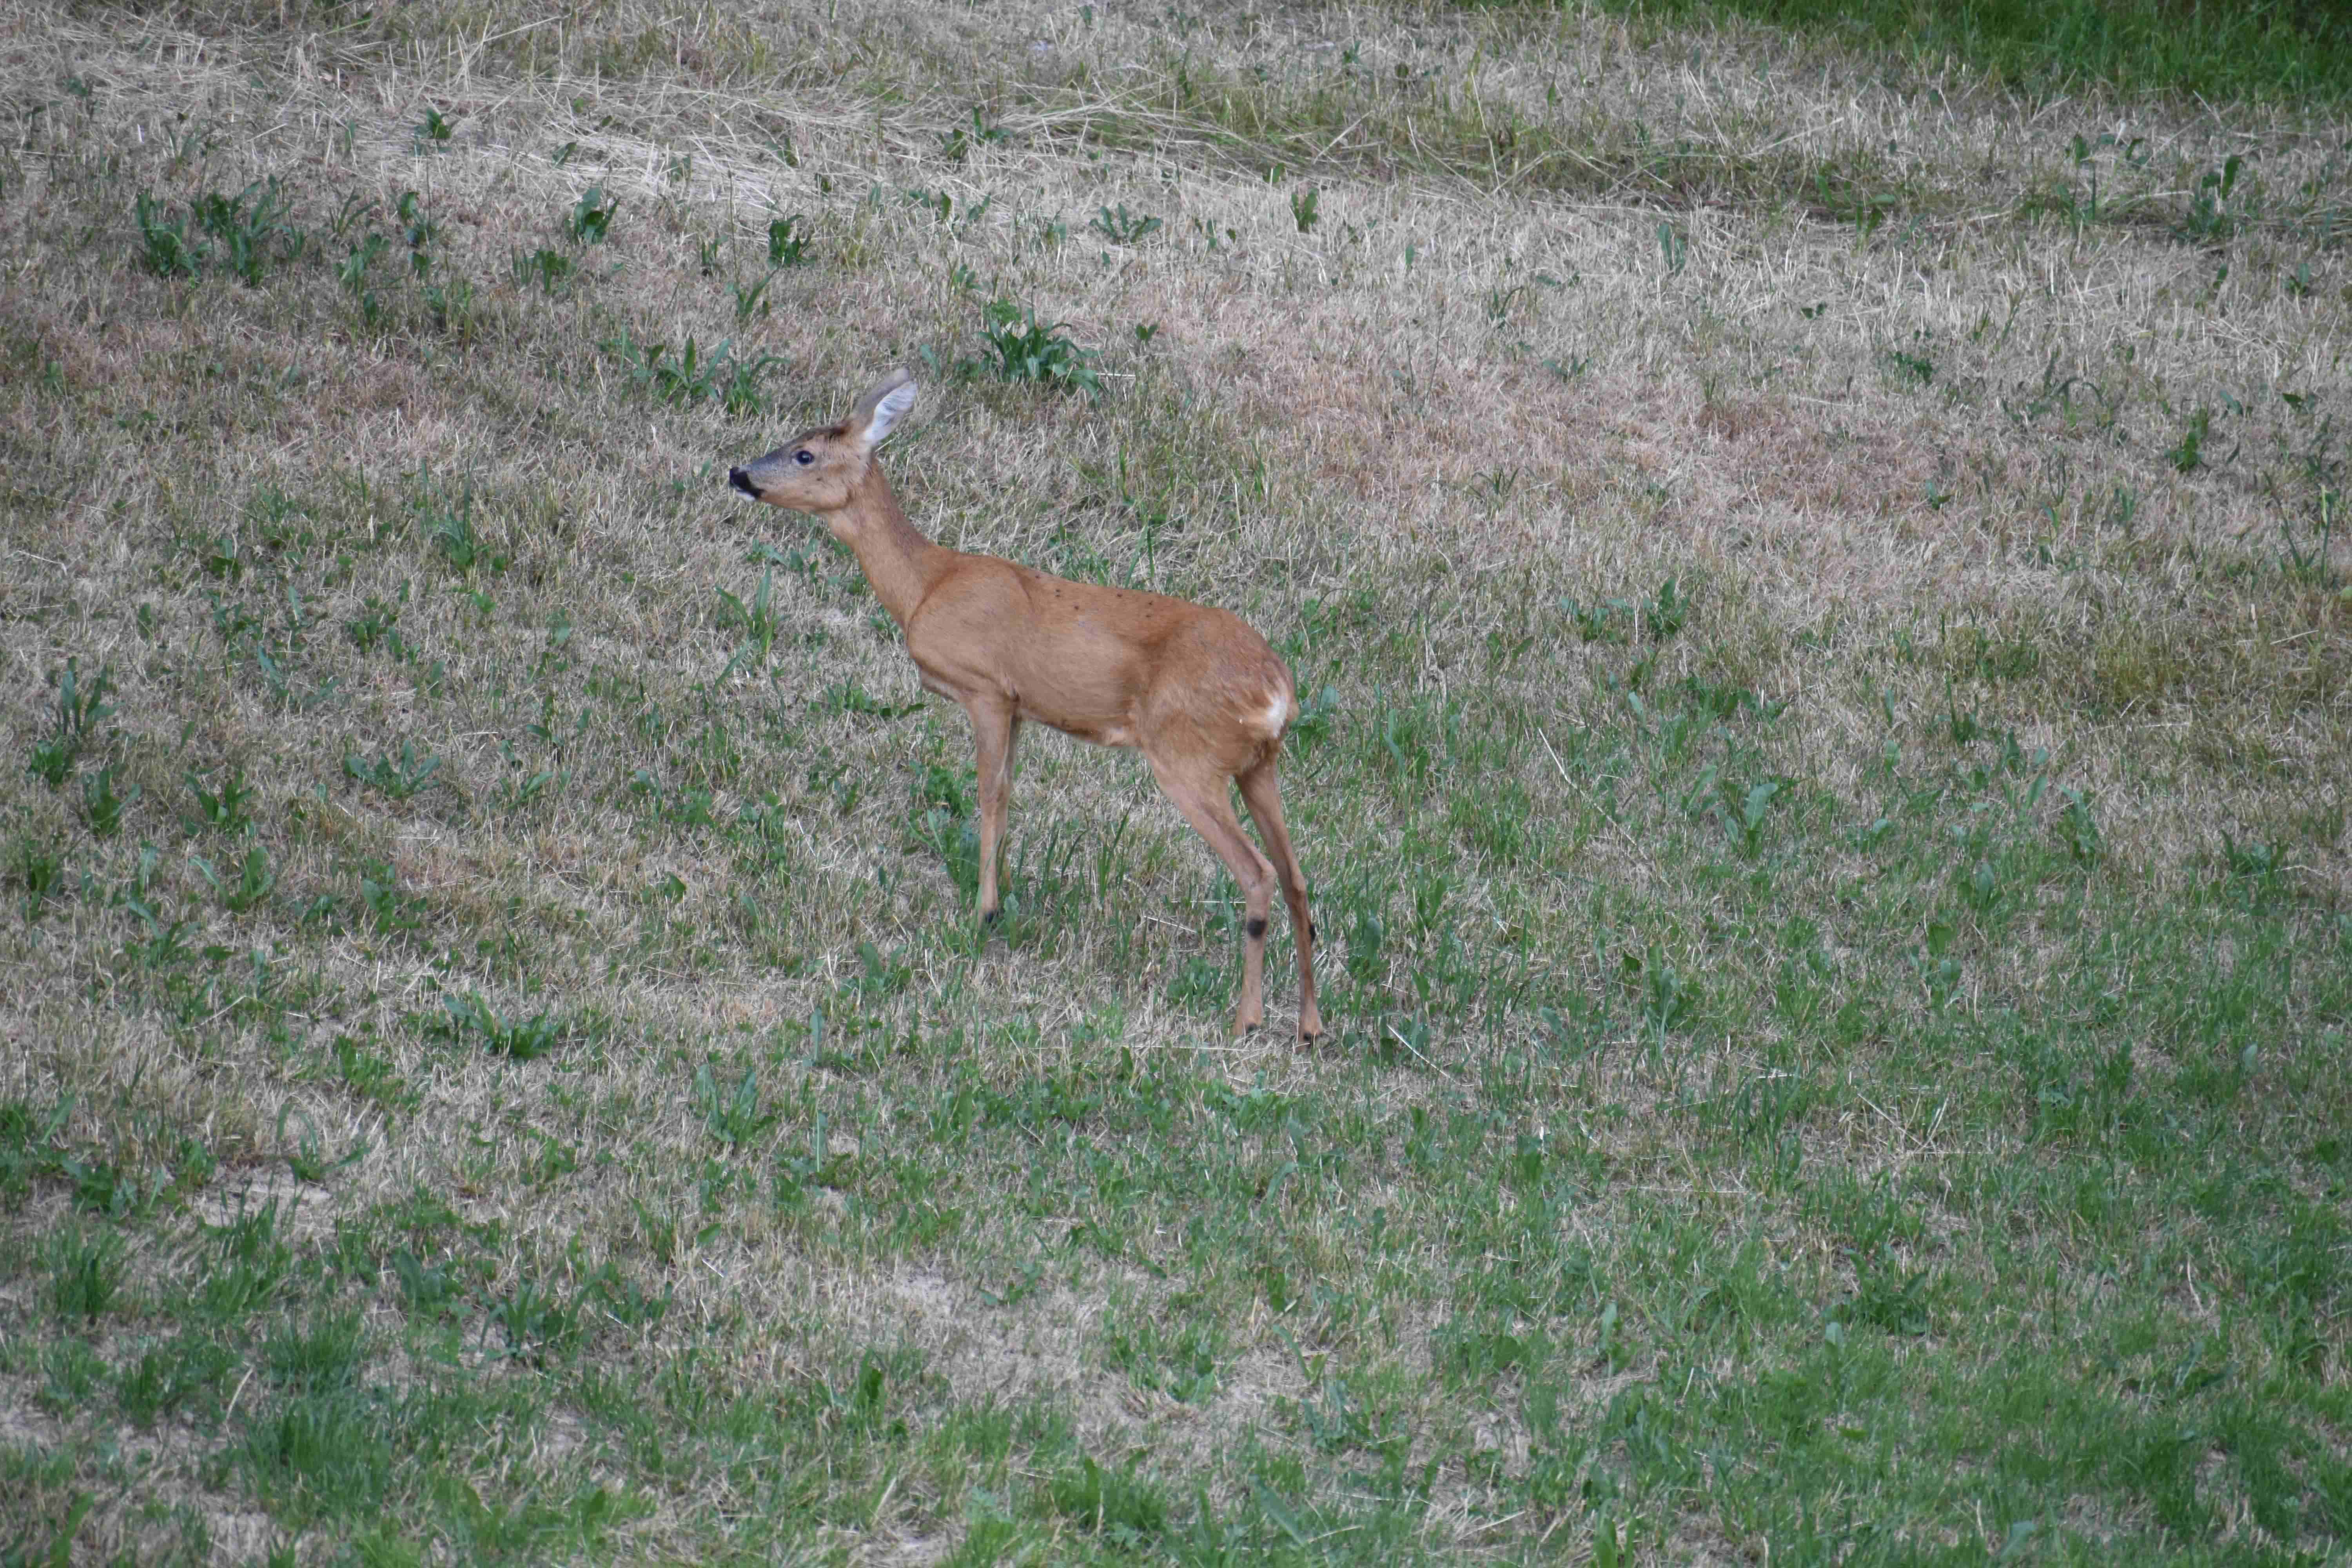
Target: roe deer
1195, 689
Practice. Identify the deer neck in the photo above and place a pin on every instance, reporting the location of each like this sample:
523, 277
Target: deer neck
899, 561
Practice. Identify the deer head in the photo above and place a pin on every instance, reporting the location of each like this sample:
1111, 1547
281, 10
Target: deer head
818, 470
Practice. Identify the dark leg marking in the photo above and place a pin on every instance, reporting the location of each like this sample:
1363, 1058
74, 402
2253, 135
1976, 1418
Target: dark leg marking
1255, 927
992, 916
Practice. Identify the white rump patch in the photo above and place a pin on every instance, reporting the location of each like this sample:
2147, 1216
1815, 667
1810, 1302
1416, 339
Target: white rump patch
1279, 713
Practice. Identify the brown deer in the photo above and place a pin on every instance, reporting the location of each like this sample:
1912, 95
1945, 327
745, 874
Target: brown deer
1194, 689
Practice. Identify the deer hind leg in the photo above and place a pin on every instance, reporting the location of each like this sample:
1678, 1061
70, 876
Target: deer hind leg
1199, 793
996, 729
1262, 792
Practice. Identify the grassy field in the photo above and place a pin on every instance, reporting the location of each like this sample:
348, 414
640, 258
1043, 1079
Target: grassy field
1812, 571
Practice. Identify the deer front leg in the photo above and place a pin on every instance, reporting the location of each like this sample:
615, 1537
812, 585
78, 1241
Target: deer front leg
995, 727
1262, 793
1200, 794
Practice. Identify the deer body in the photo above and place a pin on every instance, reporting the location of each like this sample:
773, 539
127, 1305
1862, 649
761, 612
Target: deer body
1195, 689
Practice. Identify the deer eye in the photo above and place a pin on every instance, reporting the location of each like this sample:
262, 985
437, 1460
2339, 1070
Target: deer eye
803, 457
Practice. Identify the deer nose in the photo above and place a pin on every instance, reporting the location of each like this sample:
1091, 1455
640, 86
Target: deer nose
742, 481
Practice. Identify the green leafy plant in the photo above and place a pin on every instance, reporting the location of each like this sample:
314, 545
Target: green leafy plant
250, 228
103, 803
1666, 611
1674, 247
377, 624
166, 246
732, 1115
401, 779
1307, 209
2217, 208
81, 707
750, 300
524, 1039
957, 145
42, 872
591, 218
1029, 350
1121, 228
85, 1271
789, 238
544, 267
254, 880
2189, 453
691, 374
758, 619
353, 273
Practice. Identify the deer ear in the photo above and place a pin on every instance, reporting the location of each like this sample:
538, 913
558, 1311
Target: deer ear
879, 410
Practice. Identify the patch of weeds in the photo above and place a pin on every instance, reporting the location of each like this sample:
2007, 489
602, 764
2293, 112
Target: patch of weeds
2308, 555
1666, 611
103, 1187
1122, 228
691, 374
523, 1039
732, 1116
326, 1455
1890, 1296
372, 1076
1913, 371
171, 1378
750, 300
325, 1352
2077, 829
41, 872
1174, 1354
166, 248
2189, 454
1674, 247
1028, 350
1607, 621
2218, 207
254, 880
1120, 1505
103, 804
1658, 617
399, 780
449, 523
434, 131
85, 1269
956, 145
249, 1262
249, 231
1669, 998
1840, 194
1495, 819
1307, 209
307, 1155
380, 892
789, 238
1725, 700
626, 1300
228, 809
81, 707
591, 217
548, 268
377, 625
758, 619
535, 1322
71, 1372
